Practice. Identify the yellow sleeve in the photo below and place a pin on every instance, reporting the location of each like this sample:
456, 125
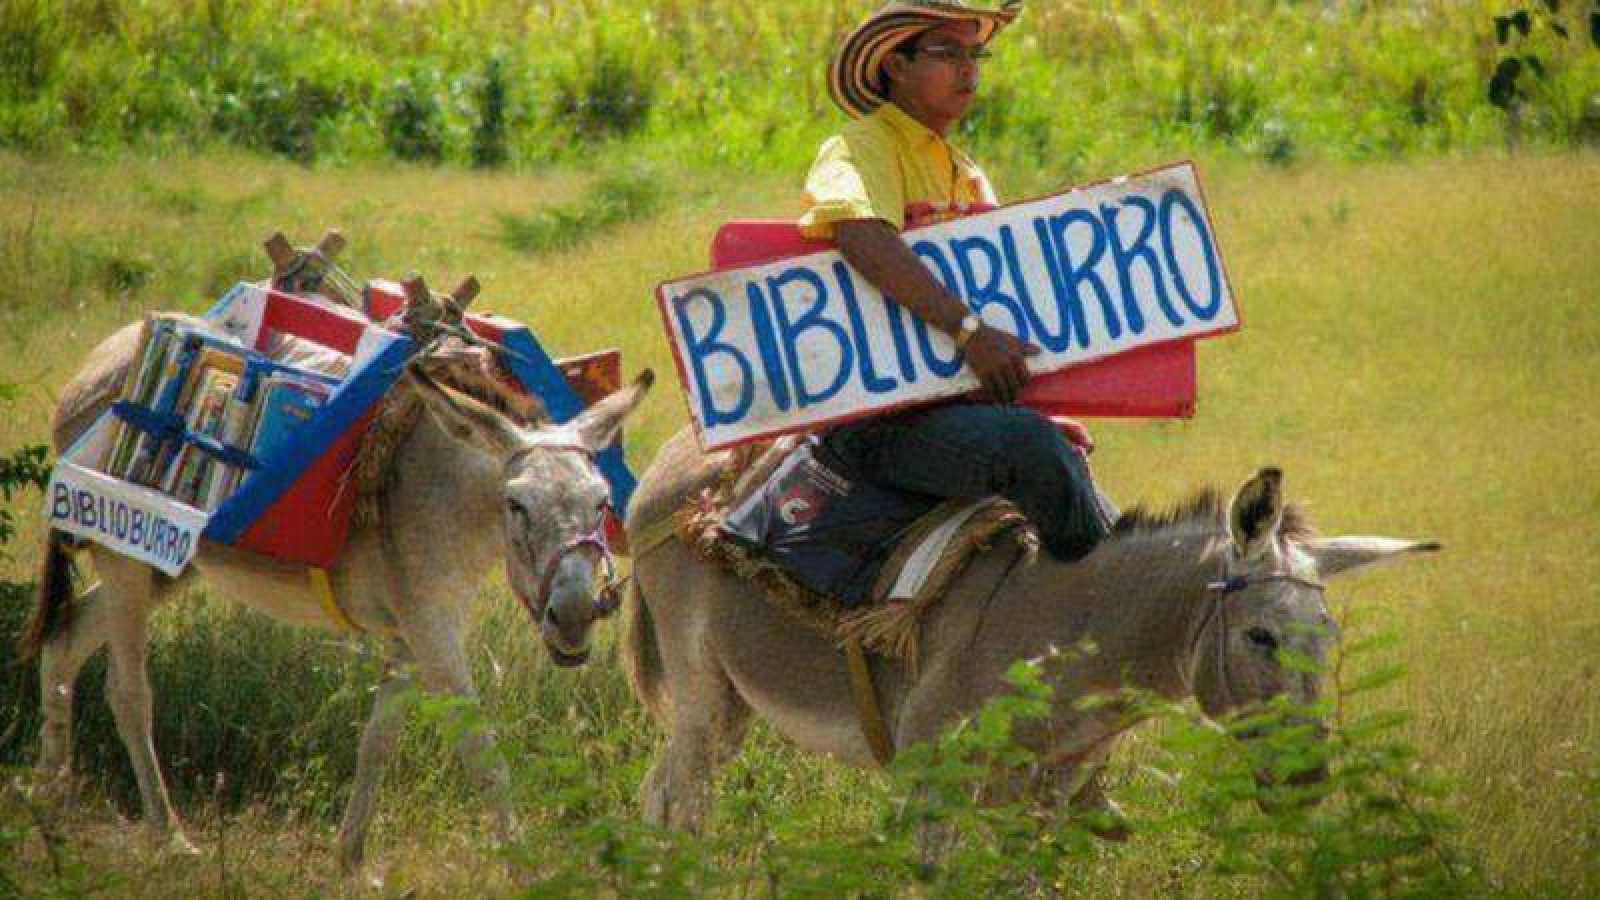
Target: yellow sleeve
854, 177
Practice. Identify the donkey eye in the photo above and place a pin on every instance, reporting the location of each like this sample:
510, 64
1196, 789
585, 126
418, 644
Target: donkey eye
1262, 638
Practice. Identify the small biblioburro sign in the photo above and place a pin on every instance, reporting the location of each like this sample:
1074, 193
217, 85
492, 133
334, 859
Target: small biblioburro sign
135, 521
799, 343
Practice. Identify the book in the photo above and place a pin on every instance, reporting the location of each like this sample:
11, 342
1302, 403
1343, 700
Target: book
150, 450
138, 386
182, 460
208, 470
129, 381
193, 466
237, 421
286, 402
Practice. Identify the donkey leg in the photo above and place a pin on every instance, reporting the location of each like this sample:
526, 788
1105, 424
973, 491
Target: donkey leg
128, 687
377, 740
434, 638
709, 723
60, 660
1082, 784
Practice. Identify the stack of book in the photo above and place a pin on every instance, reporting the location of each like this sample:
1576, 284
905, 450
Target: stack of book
189, 398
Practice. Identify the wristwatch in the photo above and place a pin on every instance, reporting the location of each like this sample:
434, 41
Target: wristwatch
970, 324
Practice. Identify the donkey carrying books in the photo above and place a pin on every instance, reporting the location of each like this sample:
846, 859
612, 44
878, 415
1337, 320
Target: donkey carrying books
466, 485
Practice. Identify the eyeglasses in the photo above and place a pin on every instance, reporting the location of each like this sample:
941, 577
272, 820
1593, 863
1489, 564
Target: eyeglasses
953, 55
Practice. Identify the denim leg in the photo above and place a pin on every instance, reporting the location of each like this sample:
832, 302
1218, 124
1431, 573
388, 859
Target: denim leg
974, 450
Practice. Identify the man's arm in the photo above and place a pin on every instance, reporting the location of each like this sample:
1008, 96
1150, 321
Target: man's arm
878, 252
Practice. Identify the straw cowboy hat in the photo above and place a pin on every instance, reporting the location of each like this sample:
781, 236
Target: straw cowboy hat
855, 79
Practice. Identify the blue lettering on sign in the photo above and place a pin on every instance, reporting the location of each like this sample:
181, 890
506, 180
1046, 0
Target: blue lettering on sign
700, 348
1069, 309
1075, 275
153, 535
930, 251
986, 292
938, 365
790, 330
767, 346
1170, 201
1056, 341
1138, 251
870, 379
902, 344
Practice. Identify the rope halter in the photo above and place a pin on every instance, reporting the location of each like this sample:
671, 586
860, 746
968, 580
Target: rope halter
1234, 584
592, 541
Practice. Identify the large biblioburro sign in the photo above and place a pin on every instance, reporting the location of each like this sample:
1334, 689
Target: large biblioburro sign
797, 343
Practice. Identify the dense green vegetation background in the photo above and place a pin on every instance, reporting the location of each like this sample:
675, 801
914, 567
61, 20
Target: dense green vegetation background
1416, 265
1087, 84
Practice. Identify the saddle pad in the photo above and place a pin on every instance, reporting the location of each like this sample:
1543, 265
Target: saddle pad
830, 532
908, 573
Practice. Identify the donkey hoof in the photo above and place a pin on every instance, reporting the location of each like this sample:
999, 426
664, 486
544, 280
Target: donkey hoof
178, 844
1108, 829
1108, 823
57, 790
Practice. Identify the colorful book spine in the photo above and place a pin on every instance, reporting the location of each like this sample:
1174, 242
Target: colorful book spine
153, 450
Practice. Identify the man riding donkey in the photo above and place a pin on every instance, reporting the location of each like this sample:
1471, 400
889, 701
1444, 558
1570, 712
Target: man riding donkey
1194, 604
906, 76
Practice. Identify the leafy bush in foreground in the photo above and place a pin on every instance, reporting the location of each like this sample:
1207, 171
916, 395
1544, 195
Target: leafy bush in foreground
1375, 827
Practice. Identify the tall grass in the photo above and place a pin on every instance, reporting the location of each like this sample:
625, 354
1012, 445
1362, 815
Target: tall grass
1078, 86
1419, 355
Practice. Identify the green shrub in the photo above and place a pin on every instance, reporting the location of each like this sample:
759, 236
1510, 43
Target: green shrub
280, 116
489, 134
614, 200
32, 39
413, 120
605, 93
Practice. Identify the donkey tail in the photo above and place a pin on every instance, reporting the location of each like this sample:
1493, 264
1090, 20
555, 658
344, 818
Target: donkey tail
641, 654
52, 610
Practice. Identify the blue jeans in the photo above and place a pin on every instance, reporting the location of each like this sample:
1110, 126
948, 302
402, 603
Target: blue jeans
975, 450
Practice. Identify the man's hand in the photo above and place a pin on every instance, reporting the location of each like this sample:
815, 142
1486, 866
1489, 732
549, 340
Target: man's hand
878, 252
1000, 361
1075, 432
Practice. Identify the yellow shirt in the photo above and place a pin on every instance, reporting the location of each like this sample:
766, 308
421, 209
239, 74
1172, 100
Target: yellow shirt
889, 166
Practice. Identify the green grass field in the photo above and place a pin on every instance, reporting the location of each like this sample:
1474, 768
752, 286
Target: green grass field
1421, 354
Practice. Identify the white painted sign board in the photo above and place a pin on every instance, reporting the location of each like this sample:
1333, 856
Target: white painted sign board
800, 343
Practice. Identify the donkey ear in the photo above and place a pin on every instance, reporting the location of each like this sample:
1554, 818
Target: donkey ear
1256, 512
466, 419
1336, 556
598, 425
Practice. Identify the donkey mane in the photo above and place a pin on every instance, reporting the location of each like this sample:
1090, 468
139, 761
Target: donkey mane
1207, 508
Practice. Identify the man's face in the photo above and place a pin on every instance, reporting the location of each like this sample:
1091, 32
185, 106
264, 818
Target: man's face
941, 77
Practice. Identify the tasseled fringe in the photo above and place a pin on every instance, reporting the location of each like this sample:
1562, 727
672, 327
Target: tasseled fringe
371, 471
